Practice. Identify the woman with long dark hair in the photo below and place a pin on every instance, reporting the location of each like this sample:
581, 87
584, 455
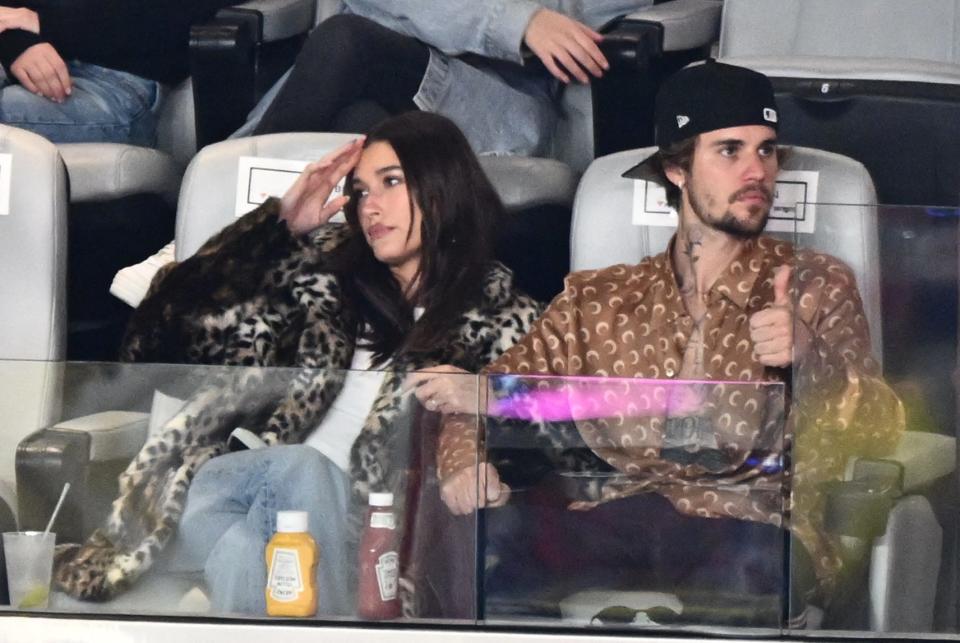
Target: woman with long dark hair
406, 285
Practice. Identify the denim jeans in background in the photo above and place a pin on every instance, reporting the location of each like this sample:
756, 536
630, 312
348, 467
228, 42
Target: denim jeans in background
231, 514
105, 106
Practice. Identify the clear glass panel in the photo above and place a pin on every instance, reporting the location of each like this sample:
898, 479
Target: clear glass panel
154, 426
874, 453
635, 503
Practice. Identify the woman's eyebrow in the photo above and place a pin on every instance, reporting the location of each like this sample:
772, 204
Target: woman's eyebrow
388, 168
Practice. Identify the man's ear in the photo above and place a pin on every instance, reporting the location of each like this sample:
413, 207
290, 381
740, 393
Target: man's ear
676, 175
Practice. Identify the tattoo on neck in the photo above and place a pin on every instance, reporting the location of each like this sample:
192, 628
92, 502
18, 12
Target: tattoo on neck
691, 242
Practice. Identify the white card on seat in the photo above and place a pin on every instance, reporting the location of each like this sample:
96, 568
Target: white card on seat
794, 203
6, 161
260, 178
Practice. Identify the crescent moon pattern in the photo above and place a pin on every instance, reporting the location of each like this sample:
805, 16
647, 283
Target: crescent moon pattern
644, 340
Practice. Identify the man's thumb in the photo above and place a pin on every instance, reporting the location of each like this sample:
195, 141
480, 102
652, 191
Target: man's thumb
781, 285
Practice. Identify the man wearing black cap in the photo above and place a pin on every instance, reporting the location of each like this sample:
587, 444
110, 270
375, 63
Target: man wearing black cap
702, 497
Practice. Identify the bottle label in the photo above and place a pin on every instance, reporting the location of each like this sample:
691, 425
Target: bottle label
383, 520
388, 573
285, 580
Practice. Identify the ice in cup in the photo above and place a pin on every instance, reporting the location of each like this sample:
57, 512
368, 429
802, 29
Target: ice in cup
29, 556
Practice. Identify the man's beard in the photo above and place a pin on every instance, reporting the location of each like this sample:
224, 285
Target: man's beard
728, 222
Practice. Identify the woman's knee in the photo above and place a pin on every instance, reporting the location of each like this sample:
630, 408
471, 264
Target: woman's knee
299, 464
339, 37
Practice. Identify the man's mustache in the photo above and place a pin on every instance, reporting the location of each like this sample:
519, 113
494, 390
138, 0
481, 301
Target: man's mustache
762, 189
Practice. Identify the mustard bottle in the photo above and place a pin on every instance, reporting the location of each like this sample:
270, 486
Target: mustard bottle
291, 567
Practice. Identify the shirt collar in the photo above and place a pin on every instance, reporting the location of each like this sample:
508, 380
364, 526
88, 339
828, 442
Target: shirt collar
735, 283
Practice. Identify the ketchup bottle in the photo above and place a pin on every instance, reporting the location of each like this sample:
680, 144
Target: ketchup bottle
379, 562
291, 567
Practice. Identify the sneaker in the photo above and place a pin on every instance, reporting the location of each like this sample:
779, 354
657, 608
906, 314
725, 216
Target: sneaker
130, 284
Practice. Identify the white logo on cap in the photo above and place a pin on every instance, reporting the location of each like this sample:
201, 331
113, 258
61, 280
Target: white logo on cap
682, 120
769, 115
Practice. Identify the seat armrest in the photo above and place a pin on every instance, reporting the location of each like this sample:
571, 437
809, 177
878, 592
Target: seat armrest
103, 171
925, 457
859, 507
644, 48
89, 453
238, 55
678, 25
276, 19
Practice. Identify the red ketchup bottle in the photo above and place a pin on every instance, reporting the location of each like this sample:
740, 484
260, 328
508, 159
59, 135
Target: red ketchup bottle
379, 562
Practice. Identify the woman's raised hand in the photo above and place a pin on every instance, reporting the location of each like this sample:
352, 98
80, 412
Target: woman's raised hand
305, 206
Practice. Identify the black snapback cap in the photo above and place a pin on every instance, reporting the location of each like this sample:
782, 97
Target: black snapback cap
704, 98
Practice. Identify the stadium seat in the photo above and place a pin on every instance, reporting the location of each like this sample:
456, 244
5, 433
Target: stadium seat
33, 238
906, 557
123, 197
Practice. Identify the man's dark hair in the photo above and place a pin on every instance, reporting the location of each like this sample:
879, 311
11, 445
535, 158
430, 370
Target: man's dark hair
459, 207
680, 155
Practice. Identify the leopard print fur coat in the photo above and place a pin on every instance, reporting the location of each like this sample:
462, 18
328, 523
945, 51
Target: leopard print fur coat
254, 296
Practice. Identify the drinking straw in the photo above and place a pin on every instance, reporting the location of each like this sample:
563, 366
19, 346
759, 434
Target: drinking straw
56, 510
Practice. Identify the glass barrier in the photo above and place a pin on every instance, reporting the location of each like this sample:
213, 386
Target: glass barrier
635, 503
816, 499
883, 413
184, 531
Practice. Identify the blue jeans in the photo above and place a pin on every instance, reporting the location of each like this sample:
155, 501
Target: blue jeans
106, 106
231, 513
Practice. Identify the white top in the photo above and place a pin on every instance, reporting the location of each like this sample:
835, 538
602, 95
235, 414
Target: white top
344, 420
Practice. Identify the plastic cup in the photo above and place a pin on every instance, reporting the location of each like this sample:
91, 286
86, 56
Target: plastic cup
29, 557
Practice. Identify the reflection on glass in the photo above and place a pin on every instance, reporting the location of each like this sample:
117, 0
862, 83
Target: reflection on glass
202, 476
892, 521
636, 502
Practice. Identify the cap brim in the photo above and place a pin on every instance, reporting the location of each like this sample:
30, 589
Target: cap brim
645, 170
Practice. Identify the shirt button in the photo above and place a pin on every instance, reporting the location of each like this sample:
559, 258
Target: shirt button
670, 372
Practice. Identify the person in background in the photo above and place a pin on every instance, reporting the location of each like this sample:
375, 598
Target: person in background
469, 61
80, 71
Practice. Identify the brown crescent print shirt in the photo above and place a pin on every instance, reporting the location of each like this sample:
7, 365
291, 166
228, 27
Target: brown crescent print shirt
631, 322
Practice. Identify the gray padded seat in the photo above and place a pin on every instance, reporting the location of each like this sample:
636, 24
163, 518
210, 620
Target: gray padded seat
209, 186
905, 561
33, 238
862, 39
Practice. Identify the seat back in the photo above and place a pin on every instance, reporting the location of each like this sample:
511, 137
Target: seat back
921, 30
603, 233
208, 192
33, 241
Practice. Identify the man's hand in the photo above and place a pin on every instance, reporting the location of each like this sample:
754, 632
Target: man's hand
445, 388
41, 70
460, 493
20, 18
773, 329
305, 206
565, 46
